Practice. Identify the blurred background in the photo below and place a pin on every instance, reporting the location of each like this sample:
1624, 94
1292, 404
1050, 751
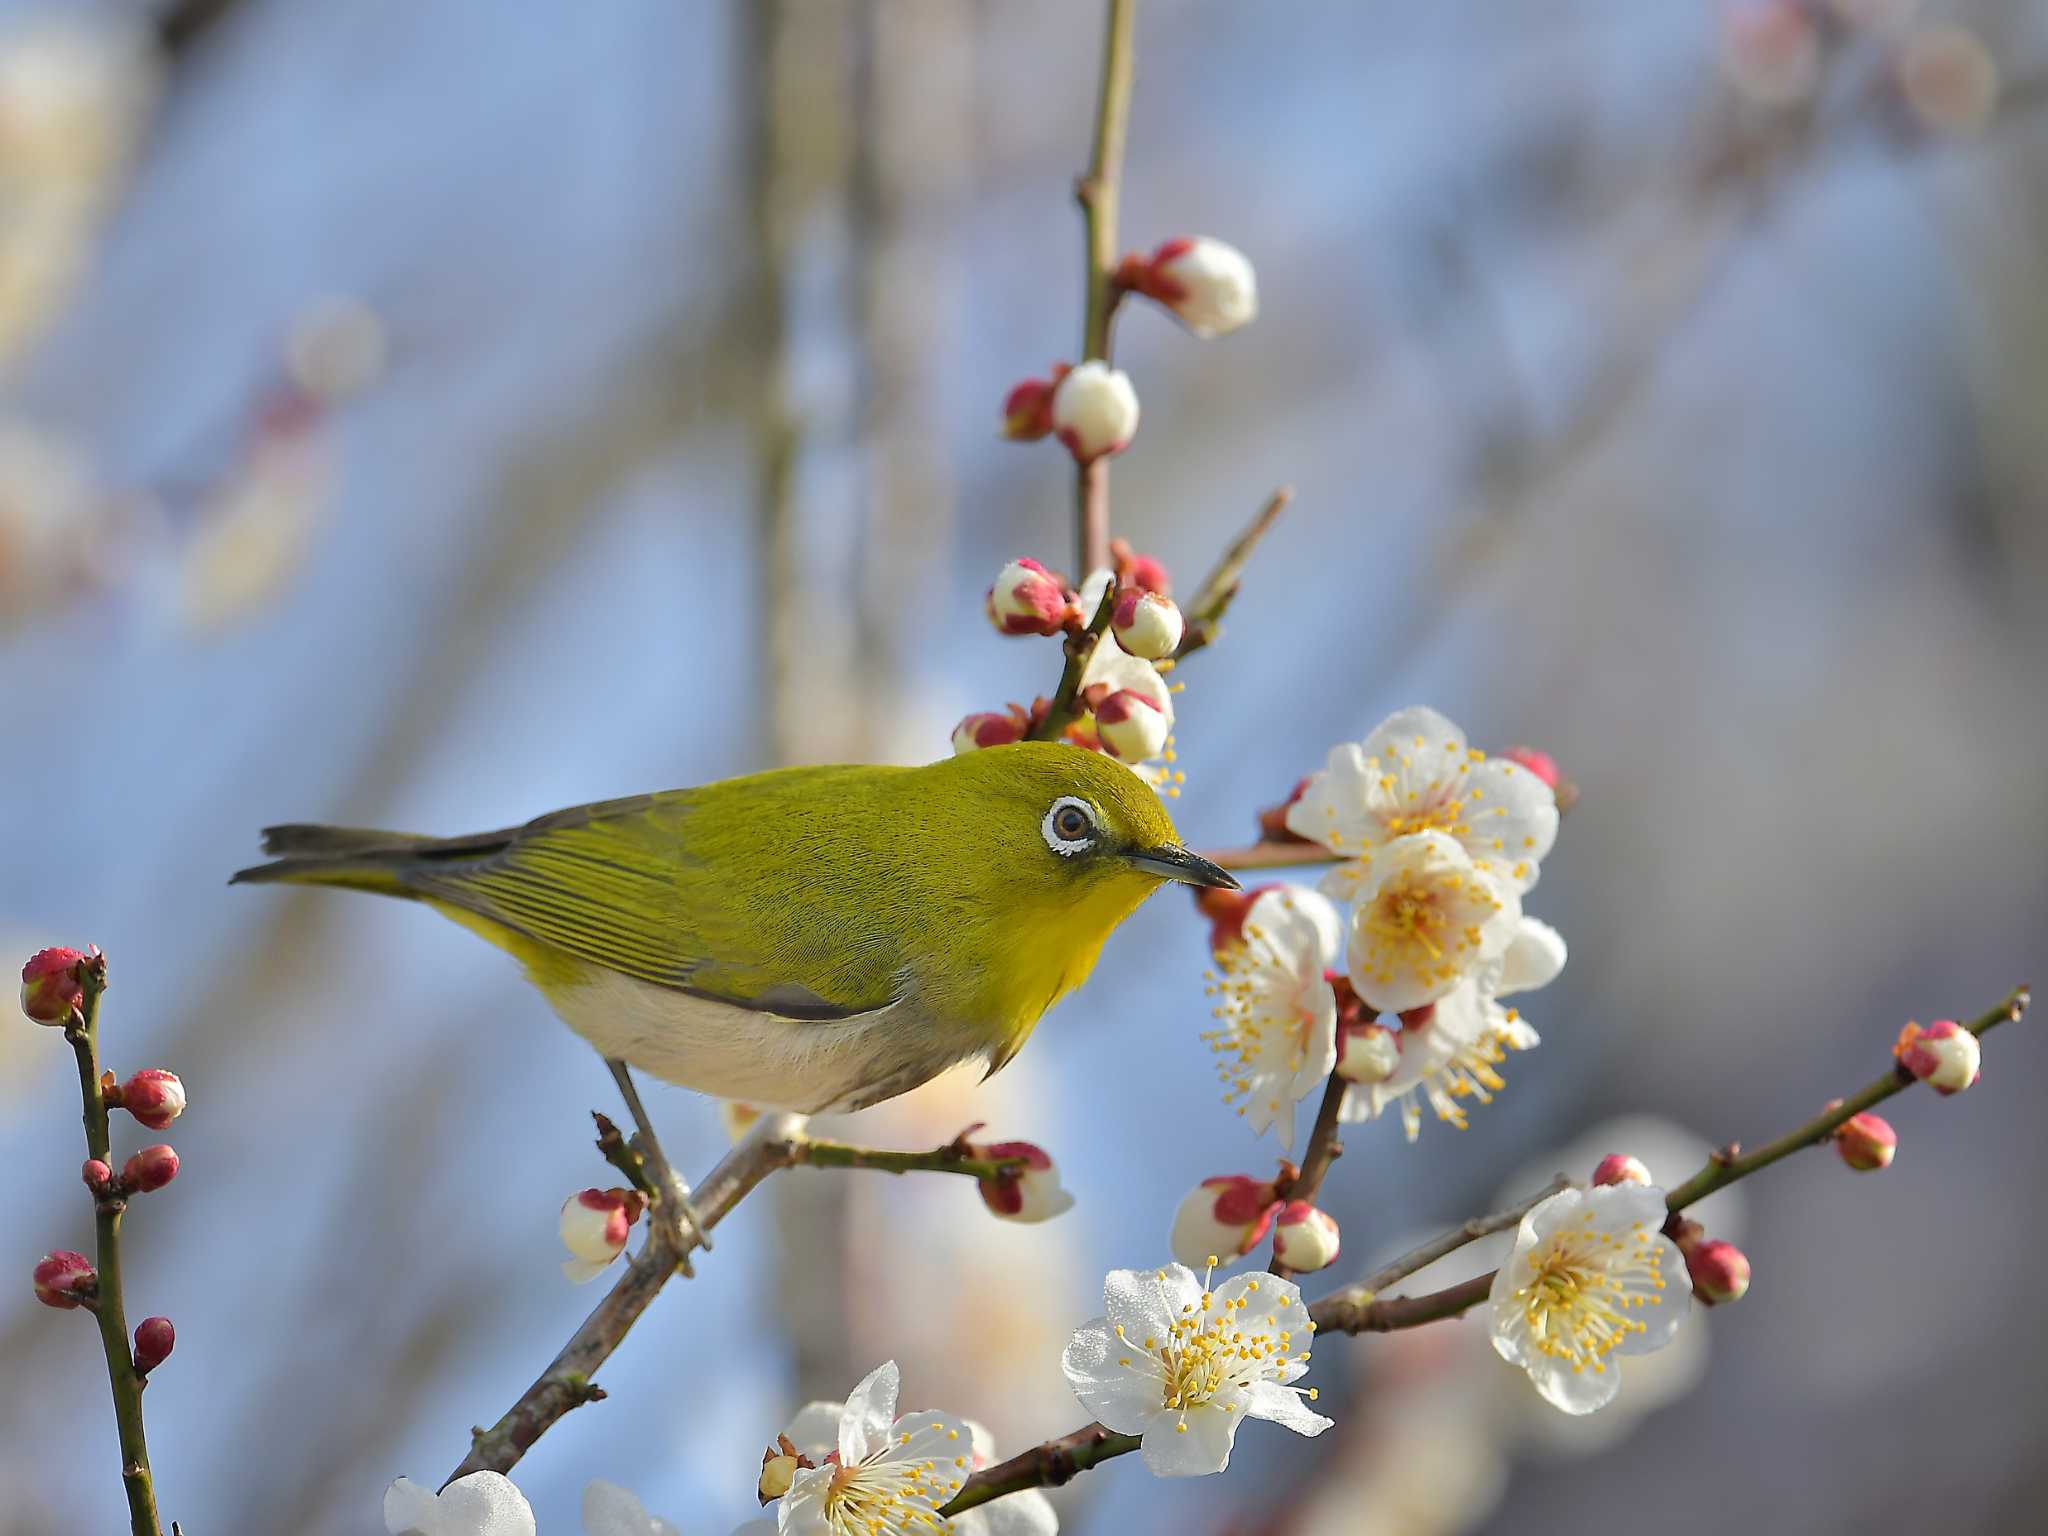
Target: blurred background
431, 415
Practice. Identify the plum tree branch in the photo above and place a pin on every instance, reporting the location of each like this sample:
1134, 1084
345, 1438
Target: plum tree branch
109, 1306
1098, 193
777, 1141
1358, 1309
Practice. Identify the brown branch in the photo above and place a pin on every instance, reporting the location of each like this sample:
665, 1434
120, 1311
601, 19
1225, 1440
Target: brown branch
1050, 1465
777, 1141
1097, 192
566, 1384
1356, 1310
1080, 646
109, 1306
1343, 1311
1323, 1149
1271, 856
1204, 611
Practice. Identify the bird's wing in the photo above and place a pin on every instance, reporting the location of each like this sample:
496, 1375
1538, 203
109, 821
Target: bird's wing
667, 890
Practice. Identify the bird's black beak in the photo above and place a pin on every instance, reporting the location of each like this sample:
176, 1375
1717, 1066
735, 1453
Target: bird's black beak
1173, 862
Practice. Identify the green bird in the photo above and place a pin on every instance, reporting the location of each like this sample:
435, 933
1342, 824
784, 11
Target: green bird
810, 939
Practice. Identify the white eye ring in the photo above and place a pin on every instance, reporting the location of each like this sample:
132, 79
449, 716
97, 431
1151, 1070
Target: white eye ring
1067, 847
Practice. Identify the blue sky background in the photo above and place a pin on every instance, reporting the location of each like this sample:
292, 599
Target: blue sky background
1723, 487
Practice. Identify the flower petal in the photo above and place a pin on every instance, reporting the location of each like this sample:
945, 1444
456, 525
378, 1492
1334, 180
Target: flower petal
1408, 733
411, 1510
870, 1410
1029, 1513
1195, 1451
1285, 1407
1575, 1392
815, 1429
1515, 822
484, 1504
609, 1510
1144, 1302
1124, 1397
802, 1512
1533, 958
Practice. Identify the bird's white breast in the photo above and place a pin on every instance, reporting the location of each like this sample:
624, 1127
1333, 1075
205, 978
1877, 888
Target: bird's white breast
756, 1057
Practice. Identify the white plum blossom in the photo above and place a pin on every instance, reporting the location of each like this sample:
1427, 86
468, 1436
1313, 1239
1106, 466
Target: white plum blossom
1182, 1366
892, 1475
609, 1510
481, 1504
1095, 411
1276, 1013
1591, 1276
815, 1434
1415, 773
1448, 1053
1424, 919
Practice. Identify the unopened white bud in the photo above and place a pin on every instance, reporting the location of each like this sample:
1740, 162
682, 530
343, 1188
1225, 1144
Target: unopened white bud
1095, 411
1209, 285
1147, 625
1131, 727
1305, 1238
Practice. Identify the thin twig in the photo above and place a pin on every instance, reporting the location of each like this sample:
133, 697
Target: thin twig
1355, 1310
1340, 1311
1271, 856
776, 1141
109, 1306
1394, 1272
1080, 647
1322, 1150
566, 1383
1097, 192
1204, 611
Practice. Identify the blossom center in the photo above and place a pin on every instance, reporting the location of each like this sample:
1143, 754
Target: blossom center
1582, 1284
886, 1497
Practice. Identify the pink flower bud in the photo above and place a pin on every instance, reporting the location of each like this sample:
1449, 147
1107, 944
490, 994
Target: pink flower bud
65, 1280
1208, 285
154, 1097
1147, 625
1033, 1193
1304, 1238
155, 1338
150, 1169
1620, 1168
1027, 599
1095, 411
594, 1228
1273, 826
1146, 573
1131, 727
989, 729
1949, 80
1867, 1142
1771, 51
1223, 1218
1227, 911
51, 991
1720, 1271
1944, 1055
1027, 410
1367, 1051
97, 1176
1540, 763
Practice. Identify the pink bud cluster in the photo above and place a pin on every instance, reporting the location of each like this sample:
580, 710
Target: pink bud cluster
1226, 1217
1092, 408
1131, 722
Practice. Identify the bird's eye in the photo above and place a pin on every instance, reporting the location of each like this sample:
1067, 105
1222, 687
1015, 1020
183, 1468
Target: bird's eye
1069, 826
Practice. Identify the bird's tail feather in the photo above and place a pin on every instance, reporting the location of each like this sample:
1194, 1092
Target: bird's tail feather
358, 858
